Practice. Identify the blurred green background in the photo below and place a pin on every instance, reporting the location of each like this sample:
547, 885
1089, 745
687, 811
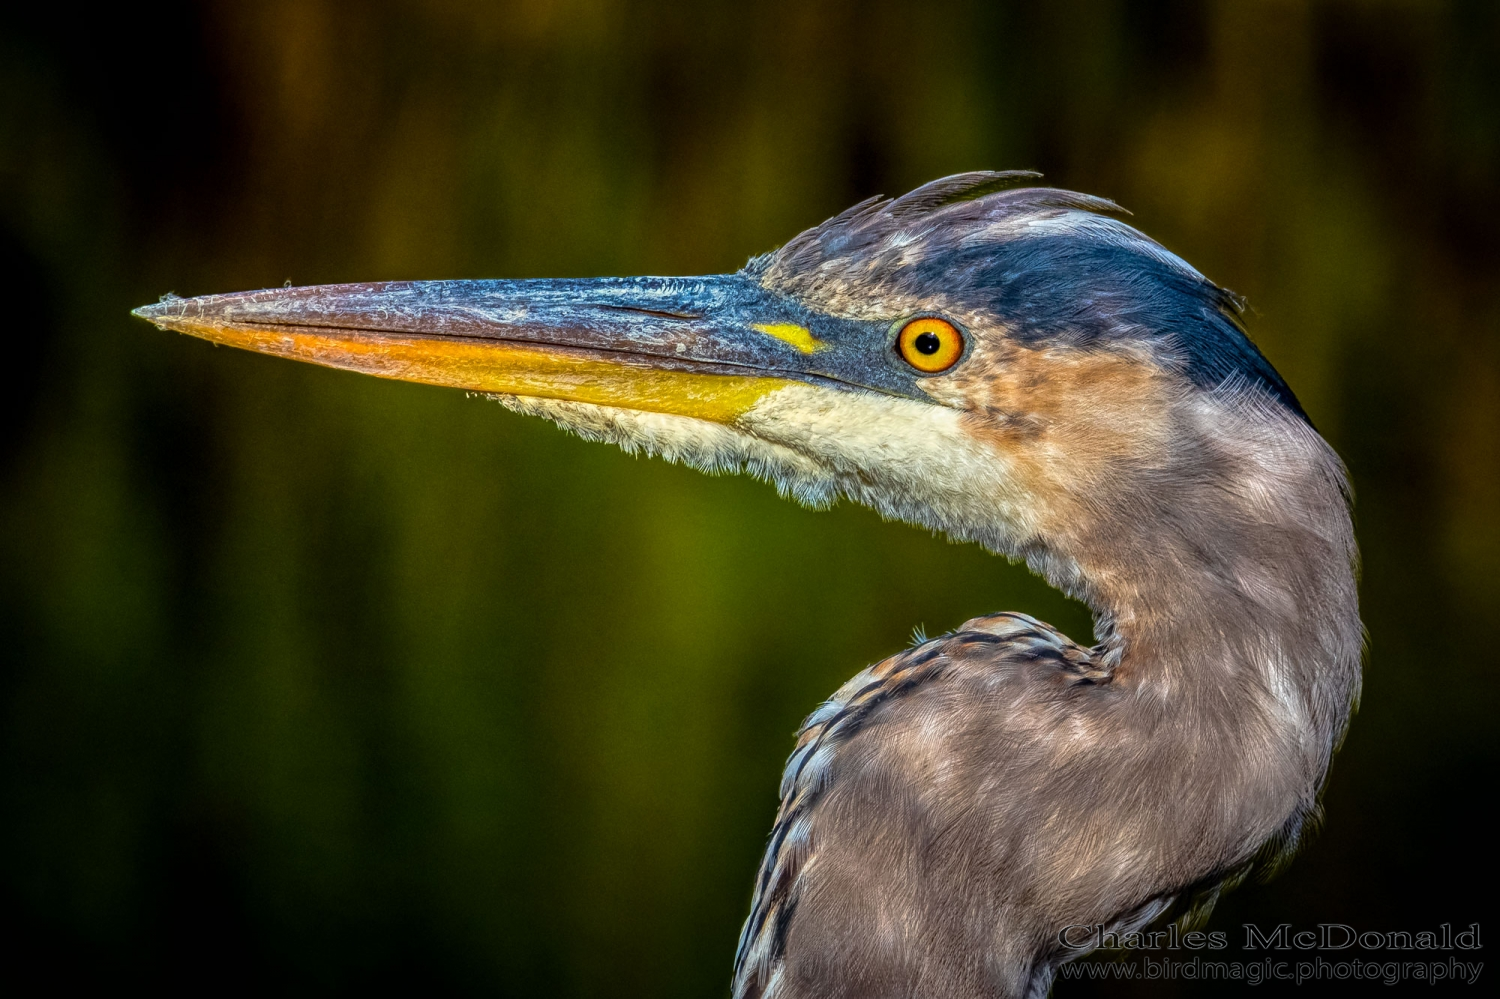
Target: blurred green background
313, 681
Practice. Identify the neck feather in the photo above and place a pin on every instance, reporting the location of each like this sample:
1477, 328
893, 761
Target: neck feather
1226, 574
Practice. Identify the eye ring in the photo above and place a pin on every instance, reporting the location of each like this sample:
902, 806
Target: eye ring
929, 344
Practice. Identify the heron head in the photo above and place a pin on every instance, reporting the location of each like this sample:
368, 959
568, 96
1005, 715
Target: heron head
1008, 365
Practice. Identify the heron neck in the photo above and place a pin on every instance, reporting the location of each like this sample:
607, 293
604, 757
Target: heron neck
1230, 577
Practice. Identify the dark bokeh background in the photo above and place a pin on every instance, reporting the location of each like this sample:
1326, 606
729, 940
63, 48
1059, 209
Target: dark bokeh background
312, 680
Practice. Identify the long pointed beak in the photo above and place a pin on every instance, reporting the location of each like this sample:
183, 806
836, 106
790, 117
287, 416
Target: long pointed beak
704, 347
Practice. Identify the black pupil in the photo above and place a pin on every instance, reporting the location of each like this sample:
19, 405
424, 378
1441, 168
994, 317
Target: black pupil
927, 343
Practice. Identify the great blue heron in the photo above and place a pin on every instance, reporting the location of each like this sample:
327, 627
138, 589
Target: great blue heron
1012, 366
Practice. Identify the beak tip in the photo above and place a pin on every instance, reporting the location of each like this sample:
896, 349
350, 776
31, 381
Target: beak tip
168, 307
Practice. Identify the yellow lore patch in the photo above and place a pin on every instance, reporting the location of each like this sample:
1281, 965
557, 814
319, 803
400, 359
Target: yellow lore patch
798, 336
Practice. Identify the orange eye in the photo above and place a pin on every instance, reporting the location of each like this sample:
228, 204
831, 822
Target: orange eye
930, 345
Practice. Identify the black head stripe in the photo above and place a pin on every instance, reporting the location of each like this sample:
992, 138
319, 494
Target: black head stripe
1080, 289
